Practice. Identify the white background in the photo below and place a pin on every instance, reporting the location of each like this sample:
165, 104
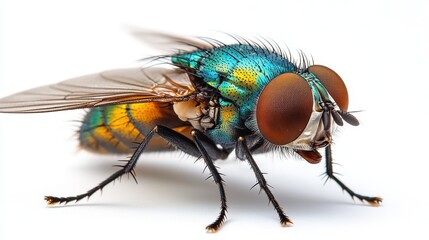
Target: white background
380, 48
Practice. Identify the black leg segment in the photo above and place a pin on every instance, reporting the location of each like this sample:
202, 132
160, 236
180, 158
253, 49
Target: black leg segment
242, 149
127, 168
196, 147
199, 140
374, 201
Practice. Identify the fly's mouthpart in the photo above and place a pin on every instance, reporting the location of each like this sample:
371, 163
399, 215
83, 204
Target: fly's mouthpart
324, 142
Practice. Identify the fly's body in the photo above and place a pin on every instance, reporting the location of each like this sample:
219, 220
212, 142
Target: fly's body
206, 102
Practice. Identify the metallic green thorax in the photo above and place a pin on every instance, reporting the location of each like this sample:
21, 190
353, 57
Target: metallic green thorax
239, 72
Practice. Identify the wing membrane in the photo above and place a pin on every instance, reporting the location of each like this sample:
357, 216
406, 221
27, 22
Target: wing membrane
112, 87
169, 42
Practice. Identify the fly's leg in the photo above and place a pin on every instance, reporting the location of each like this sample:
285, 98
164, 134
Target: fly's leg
200, 146
374, 201
201, 141
171, 136
243, 150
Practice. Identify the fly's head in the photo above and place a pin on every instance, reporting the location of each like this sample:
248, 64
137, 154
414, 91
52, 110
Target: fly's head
301, 110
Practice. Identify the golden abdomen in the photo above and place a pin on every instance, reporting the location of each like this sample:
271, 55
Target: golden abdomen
119, 128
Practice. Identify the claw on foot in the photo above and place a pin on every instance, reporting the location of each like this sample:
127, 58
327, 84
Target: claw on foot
212, 229
286, 222
374, 201
51, 200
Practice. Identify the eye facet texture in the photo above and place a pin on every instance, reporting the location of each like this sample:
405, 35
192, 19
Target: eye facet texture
284, 108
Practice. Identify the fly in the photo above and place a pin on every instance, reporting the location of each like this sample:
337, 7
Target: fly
250, 97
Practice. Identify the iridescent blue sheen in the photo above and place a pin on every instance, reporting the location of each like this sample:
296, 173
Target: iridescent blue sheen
239, 72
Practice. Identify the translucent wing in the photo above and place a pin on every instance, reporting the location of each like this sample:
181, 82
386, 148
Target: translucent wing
169, 42
112, 87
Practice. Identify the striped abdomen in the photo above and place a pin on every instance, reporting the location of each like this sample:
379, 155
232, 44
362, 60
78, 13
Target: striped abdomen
118, 129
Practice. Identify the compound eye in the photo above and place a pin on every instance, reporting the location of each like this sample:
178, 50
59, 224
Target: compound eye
333, 83
284, 108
